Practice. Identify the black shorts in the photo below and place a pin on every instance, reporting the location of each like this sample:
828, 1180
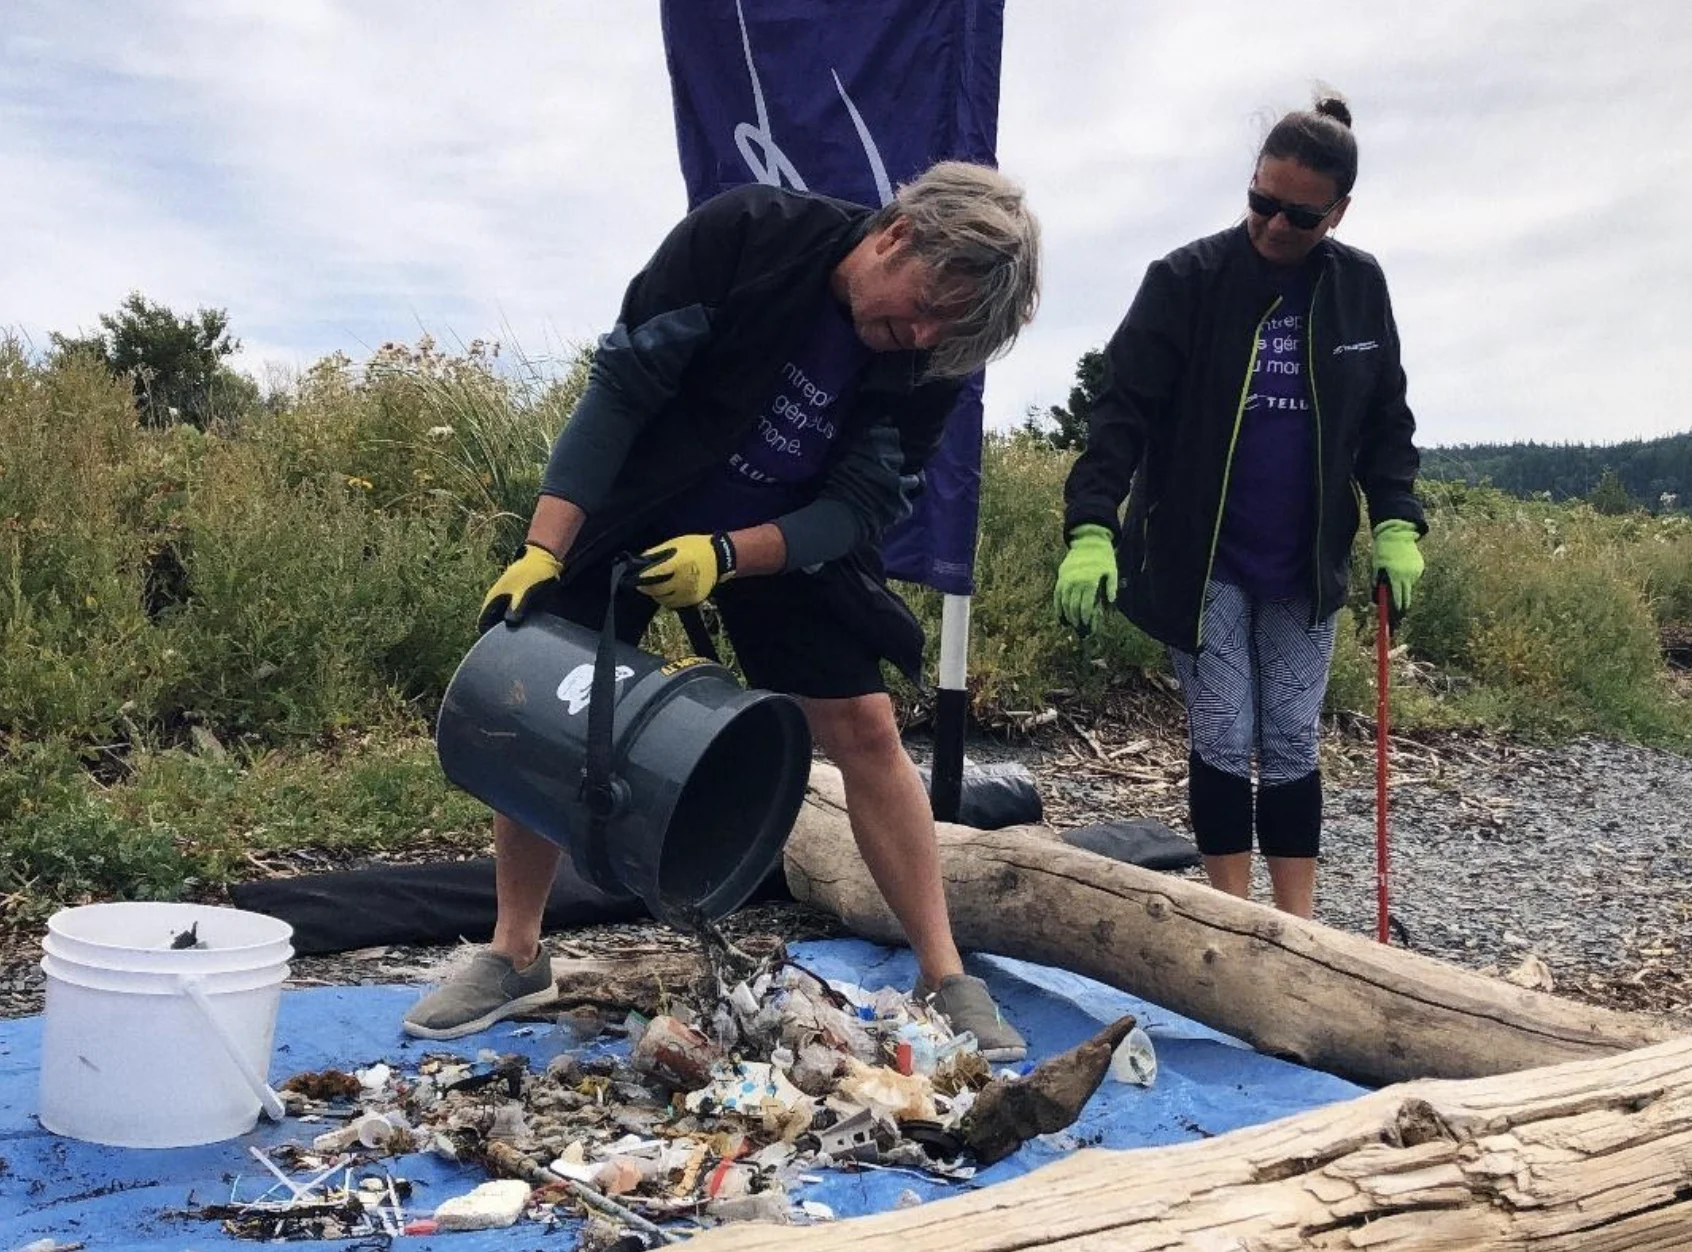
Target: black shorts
822, 635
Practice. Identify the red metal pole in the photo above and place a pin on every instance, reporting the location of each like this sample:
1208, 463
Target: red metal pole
1383, 645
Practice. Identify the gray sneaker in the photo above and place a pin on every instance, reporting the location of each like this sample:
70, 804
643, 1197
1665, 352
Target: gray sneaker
965, 1004
490, 989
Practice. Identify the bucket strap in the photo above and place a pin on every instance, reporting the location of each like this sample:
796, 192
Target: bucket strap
602, 792
698, 634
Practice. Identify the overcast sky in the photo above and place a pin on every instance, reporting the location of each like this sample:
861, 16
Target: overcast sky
340, 174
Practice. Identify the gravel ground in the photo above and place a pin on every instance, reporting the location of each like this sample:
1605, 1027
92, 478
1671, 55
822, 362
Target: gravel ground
1577, 855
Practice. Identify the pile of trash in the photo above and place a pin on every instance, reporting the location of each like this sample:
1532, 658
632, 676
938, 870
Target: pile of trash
715, 1109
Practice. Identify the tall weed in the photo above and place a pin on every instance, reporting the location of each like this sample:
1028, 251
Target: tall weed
1019, 652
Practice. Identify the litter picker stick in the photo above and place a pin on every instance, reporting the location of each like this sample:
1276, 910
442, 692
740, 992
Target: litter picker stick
1383, 645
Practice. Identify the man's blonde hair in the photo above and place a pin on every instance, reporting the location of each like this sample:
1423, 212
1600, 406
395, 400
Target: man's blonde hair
971, 225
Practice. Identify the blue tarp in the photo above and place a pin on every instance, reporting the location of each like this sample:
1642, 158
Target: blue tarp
116, 1198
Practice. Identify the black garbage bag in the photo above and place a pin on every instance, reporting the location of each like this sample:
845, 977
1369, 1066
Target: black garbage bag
1142, 841
994, 796
436, 903
414, 904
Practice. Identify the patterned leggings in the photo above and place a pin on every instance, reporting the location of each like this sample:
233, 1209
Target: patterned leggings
1256, 688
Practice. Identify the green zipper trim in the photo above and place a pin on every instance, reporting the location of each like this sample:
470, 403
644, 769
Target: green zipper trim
1228, 465
1316, 407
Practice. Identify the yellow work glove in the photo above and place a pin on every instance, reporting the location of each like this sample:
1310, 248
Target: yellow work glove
682, 571
509, 597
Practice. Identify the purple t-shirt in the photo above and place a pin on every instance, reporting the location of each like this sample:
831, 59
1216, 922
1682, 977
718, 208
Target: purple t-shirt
776, 470
1266, 523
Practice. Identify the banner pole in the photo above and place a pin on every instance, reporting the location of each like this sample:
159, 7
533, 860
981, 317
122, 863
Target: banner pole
951, 710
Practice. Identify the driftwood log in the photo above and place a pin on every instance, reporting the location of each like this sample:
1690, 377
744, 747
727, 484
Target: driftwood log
1290, 988
1589, 1156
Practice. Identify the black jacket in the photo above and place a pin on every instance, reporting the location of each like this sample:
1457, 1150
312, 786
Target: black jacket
677, 385
1163, 431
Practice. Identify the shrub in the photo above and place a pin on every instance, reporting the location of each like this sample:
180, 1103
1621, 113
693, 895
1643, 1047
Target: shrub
1351, 677
316, 569
60, 844
1019, 651
75, 647
307, 606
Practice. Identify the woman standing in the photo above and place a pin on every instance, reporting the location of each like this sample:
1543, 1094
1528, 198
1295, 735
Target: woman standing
1252, 394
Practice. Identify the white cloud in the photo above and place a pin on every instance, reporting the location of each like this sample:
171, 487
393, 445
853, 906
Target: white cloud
340, 174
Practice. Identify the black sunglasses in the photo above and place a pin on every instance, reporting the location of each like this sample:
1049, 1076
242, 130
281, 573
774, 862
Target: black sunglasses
1299, 216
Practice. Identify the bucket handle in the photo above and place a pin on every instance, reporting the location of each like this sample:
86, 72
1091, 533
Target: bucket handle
602, 792
192, 986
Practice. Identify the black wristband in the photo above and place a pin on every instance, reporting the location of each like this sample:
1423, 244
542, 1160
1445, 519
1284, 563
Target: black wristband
723, 546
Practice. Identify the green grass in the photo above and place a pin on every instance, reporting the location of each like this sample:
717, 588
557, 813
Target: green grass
300, 584
181, 825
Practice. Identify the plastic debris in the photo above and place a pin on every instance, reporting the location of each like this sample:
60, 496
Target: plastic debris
1135, 1059
710, 1112
619, 1175
745, 1088
888, 1093
850, 1138
489, 1207
816, 1068
676, 1054
761, 1206
375, 1130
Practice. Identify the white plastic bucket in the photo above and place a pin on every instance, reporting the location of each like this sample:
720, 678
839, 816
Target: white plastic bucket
148, 1046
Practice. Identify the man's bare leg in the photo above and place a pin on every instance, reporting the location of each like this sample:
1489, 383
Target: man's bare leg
891, 821
511, 977
524, 864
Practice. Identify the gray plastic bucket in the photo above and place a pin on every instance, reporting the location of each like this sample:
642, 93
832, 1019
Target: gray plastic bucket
707, 776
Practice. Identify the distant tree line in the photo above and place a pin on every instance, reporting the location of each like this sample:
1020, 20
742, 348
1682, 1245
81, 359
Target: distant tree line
1654, 474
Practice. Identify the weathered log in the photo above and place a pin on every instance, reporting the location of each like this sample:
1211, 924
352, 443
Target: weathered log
1588, 1156
1330, 1000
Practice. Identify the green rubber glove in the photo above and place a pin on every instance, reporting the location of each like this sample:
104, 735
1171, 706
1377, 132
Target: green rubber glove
509, 597
1087, 577
1398, 559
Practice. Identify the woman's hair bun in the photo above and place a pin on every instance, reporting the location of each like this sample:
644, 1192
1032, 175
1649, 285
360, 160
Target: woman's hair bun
1334, 106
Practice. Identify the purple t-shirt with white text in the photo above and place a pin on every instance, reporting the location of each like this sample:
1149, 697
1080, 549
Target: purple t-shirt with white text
1266, 524
775, 470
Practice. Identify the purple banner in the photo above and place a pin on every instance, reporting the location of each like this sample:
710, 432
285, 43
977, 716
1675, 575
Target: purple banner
849, 98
